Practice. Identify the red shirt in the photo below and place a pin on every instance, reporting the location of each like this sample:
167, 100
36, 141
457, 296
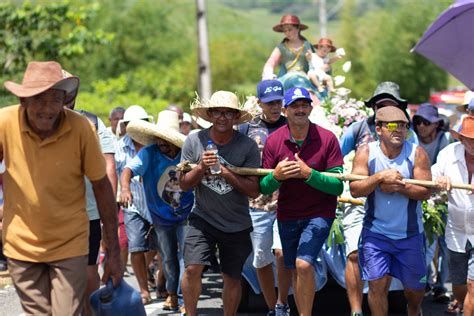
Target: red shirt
320, 151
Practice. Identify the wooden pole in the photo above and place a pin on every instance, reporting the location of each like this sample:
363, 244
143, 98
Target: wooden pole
204, 61
186, 166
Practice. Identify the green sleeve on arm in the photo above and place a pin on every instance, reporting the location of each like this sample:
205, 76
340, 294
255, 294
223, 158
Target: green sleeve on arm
324, 183
269, 184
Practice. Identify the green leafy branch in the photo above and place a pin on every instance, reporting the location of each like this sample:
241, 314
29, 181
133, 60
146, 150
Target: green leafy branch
435, 211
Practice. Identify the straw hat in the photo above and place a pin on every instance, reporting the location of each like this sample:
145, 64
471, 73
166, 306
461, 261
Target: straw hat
167, 128
219, 99
41, 76
202, 123
467, 129
289, 19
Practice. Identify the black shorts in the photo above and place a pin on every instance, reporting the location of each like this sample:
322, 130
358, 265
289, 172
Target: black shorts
95, 235
201, 241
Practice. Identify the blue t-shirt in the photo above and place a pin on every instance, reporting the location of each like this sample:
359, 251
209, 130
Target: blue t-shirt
167, 203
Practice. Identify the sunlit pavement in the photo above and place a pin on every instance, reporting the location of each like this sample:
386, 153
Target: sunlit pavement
211, 304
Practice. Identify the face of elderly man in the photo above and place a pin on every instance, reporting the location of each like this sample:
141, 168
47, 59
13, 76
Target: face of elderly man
43, 111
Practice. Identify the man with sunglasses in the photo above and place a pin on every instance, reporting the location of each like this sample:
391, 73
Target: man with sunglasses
263, 209
360, 133
392, 239
429, 128
220, 215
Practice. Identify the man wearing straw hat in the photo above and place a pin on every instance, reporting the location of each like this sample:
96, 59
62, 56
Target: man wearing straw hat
299, 151
220, 214
136, 216
455, 163
392, 239
169, 205
47, 151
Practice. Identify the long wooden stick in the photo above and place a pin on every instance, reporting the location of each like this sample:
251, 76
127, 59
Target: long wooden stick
186, 166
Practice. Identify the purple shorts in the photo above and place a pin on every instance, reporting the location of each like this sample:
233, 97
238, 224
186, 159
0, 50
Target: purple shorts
403, 259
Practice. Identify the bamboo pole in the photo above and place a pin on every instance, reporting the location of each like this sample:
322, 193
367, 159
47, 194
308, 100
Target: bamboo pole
186, 166
350, 201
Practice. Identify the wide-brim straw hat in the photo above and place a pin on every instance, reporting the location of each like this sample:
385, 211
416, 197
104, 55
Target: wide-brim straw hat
167, 128
41, 76
289, 19
219, 99
467, 129
202, 123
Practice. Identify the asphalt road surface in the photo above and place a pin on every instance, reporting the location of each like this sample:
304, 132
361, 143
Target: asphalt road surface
331, 300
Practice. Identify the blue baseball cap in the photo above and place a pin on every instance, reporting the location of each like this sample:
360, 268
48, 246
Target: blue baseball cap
294, 94
269, 90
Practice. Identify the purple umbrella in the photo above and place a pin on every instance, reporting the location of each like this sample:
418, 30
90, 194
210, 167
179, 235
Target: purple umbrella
449, 41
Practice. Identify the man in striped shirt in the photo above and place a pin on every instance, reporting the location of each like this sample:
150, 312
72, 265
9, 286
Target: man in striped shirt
138, 222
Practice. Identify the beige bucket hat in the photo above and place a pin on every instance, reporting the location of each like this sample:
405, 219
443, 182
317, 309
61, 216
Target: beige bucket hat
167, 128
219, 99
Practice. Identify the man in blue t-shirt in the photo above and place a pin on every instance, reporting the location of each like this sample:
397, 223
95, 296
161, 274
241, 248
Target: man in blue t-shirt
169, 206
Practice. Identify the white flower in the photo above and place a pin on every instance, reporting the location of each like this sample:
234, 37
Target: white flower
343, 92
340, 52
347, 66
338, 80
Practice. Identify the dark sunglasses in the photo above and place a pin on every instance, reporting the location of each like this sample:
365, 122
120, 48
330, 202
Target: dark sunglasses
420, 120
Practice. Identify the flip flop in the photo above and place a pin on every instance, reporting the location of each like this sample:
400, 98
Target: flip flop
454, 308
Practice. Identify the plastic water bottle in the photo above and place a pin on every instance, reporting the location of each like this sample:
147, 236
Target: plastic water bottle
216, 168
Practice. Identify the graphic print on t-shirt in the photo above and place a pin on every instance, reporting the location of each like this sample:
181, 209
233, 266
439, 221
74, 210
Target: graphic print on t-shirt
259, 135
216, 182
168, 188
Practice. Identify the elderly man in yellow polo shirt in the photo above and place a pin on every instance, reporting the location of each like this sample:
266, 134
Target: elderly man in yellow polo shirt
48, 150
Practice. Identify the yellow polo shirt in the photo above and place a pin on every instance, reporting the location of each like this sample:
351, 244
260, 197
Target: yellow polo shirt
45, 215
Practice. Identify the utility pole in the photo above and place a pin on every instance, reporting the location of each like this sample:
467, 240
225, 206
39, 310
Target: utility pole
323, 20
204, 61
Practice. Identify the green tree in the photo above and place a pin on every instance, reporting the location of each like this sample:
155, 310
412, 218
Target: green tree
56, 31
396, 33
353, 41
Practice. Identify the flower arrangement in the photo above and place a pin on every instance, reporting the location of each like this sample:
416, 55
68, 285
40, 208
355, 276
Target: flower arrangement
341, 110
435, 211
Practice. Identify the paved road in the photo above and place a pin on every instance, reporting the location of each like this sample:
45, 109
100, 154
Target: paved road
330, 301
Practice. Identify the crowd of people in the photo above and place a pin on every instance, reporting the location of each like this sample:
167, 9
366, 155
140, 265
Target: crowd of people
78, 194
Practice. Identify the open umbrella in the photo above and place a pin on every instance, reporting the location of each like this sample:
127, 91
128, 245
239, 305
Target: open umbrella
449, 41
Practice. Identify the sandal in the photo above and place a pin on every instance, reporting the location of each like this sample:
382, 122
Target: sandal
441, 297
161, 293
146, 300
454, 307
